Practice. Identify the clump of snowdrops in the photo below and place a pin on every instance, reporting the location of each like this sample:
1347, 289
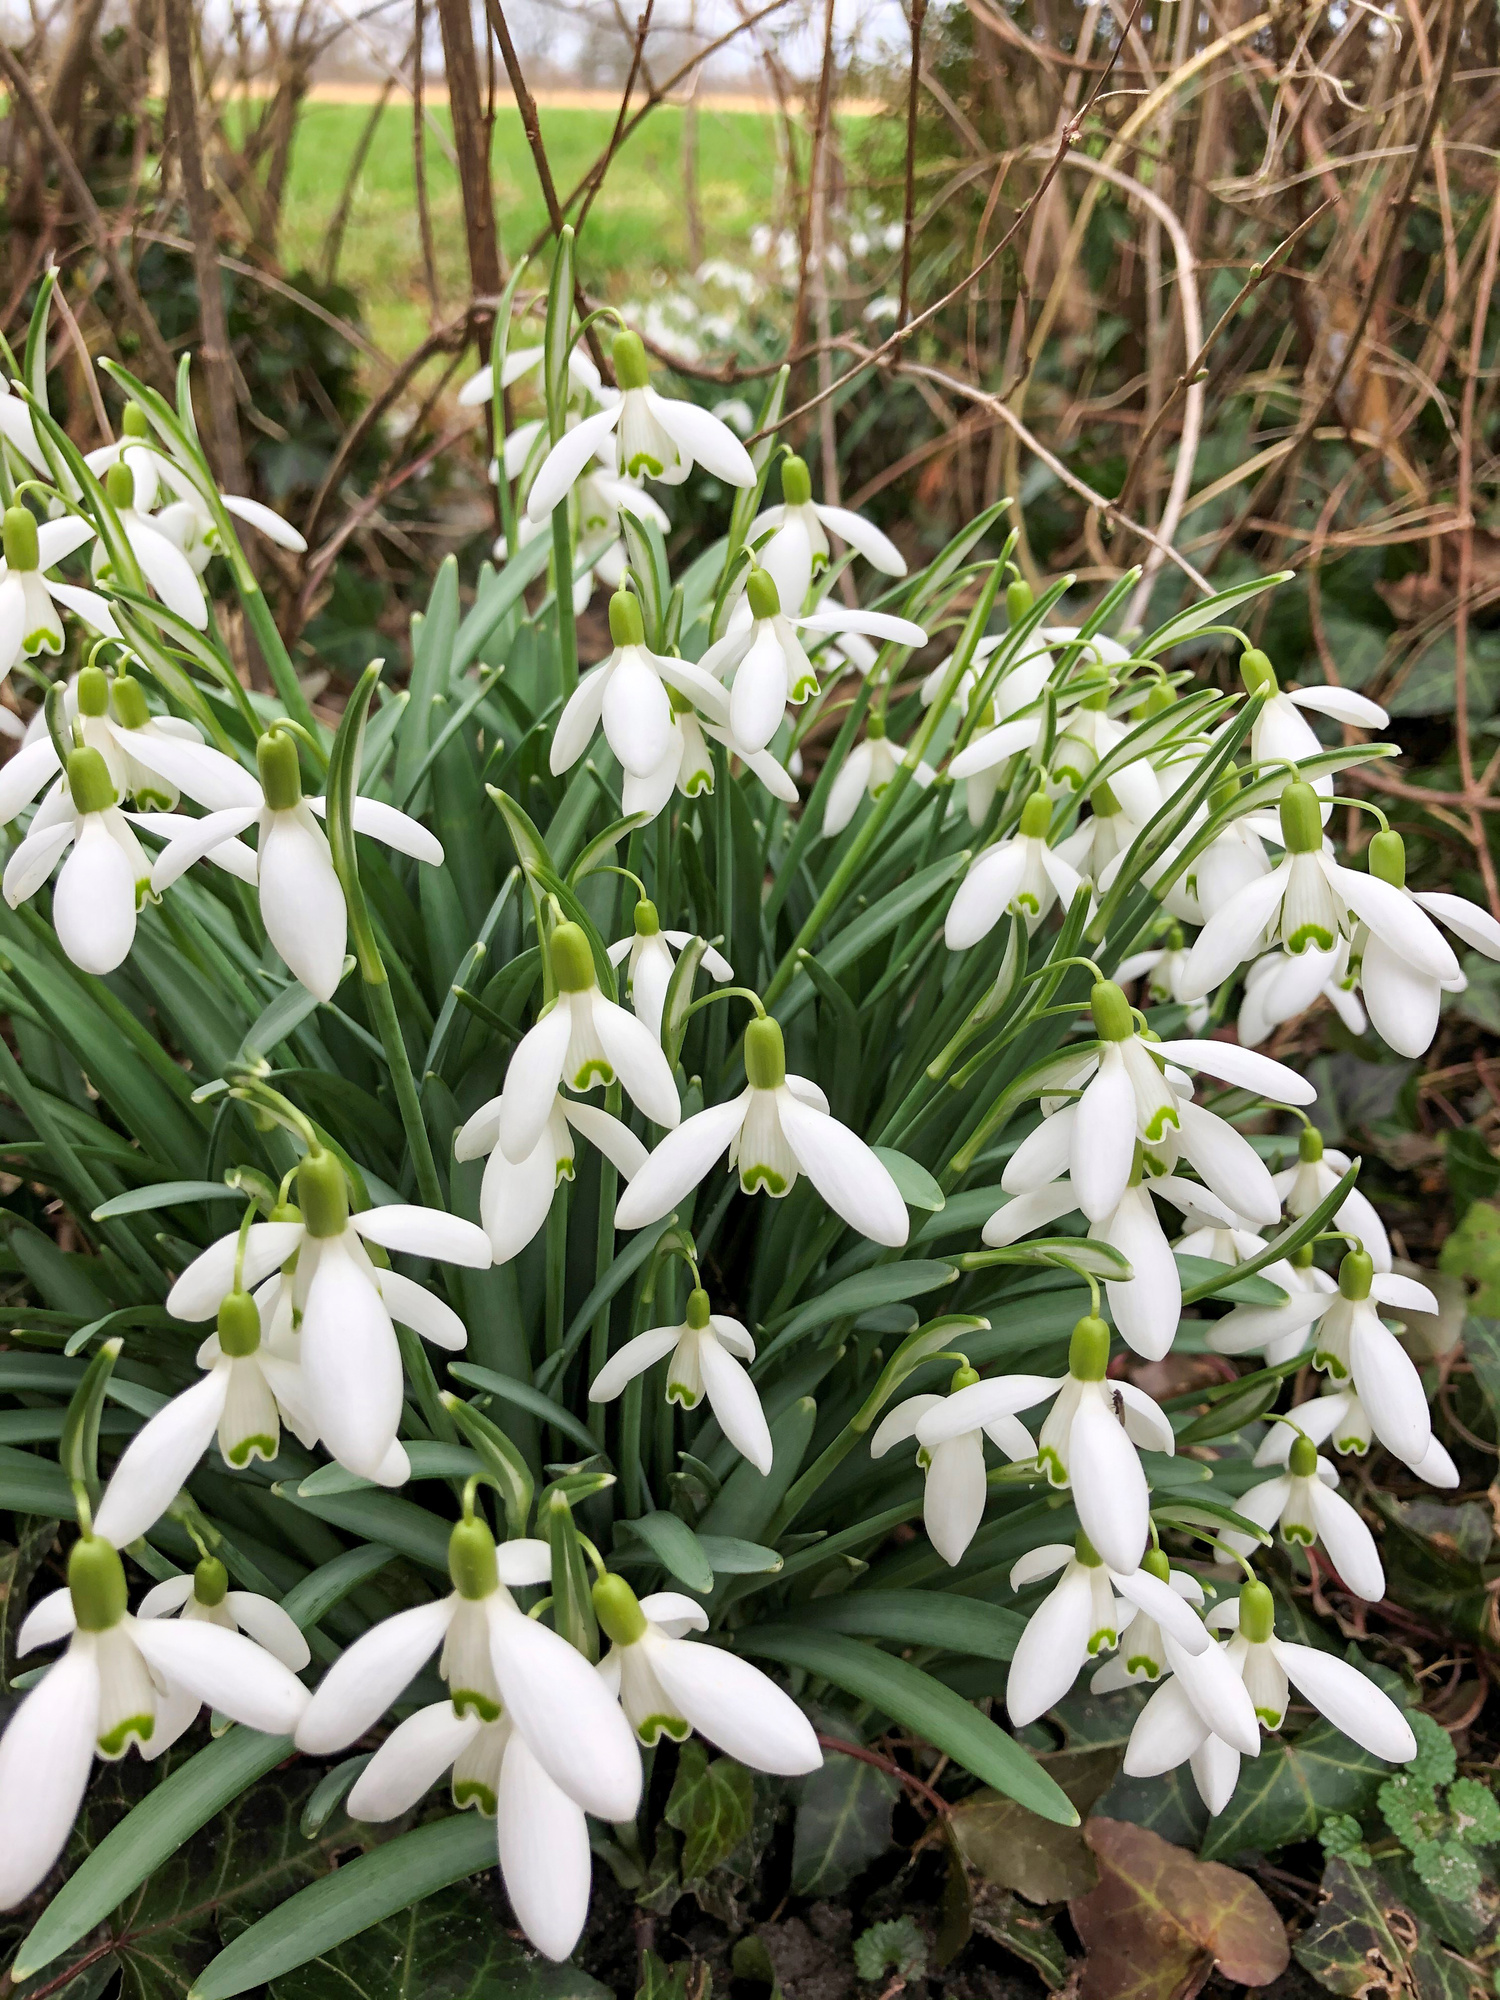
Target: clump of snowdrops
544, 1155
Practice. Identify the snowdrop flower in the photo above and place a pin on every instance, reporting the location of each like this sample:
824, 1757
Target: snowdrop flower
1318, 1171
1098, 846
29, 598
669, 1687
1281, 733
515, 1196
122, 1680
17, 429
496, 1661
1277, 1333
1088, 1442
687, 765
1309, 903
1403, 999
205, 1596
1088, 737
1020, 875
1162, 968
582, 1040
706, 1352
868, 769
630, 693
1080, 1619
778, 1126
647, 957
1355, 1346
1234, 858
1338, 1416
104, 879
1179, 1726
656, 436
244, 1396
764, 654
301, 900
954, 1493
798, 547
1280, 986
583, 377
1303, 1503
162, 561
1129, 1100
187, 520
1142, 1653
542, 1836
351, 1377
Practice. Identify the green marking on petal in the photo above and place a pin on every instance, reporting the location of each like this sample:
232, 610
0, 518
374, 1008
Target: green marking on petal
261, 1446
1103, 1641
679, 1392
1142, 1663
595, 1070
117, 1741
644, 462
468, 1701
470, 1792
1163, 1117
1307, 935
656, 1726
752, 1178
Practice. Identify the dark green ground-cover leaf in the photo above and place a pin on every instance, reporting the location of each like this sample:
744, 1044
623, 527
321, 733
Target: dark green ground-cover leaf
1291, 1787
1363, 1937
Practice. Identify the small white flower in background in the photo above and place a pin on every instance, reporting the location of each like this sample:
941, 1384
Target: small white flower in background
351, 1381
1147, 1306
954, 1492
1020, 875
541, 1834
1087, 737
1302, 1503
630, 693
655, 436
122, 1680
868, 769
704, 1356
778, 1126
1355, 1346
766, 658
1142, 1654
105, 878
495, 1660
1088, 1442
1080, 1618
1277, 1333
1162, 969
1281, 733
1318, 1171
162, 561
187, 520
1338, 1417
647, 955
670, 1686
798, 547
515, 1196
1310, 904
205, 1596
1098, 847
29, 598
1222, 1242
301, 899
1130, 1098
1178, 1725
583, 377
1234, 858
1402, 997
687, 765
18, 430
582, 1040
1281, 985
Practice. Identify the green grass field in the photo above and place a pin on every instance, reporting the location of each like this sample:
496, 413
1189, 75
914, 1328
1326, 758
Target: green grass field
635, 238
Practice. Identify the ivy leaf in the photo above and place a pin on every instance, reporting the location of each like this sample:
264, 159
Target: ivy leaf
451, 1946
1160, 1920
1290, 1789
843, 1823
1016, 1849
712, 1806
1363, 1938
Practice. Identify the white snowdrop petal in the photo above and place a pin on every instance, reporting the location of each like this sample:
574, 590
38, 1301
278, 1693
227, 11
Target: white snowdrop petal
532, 1080
954, 1496
231, 1672
397, 830
1103, 1138
1393, 915
270, 524
982, 1403
1214, 1686
1348, 1541
368, 1676
1246, 1068
514, 1199
410, 1761
737, 1707
1231, 934
1350, 1700
1109, 1487
1167, 1606
45, 1755
1343, 704
523, 1562
561, 467
1403, 1002
544, 1852
856, 1185
195, 840
614, 1140
1466, 920
1052, 1648
424, 1232
637, 713
636, 1057
168, 572
301, 902
1025, 1212
633, 1359
864, 537
411, 1304
560, 1705
1166, 1733
704, 437
1216, 1772
198, 1293
734, 1401
681, 1160
196, 770
158, 1460
268, 1625
1405, 1294
897, 1425
52, 1617
1391, 1390
579, 719
93, 904
351, 1362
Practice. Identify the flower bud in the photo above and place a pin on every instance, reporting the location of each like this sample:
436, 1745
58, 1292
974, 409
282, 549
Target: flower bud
632, 369
20, 541
89, 783
128, 702
1302, 1459
964, 1377
280, 773
1388, 858
1036, 817
1310, 1146
471, 1559
1301, 818
238, 1325
1257, 1613
1162, 697
96, 1580
796, 482
572, 960
765, 1054
1088, 1350
1018, 600
210, 1582
647, 921
1257, 673
626, 626
93, 692
618, 1610
1225, 792
761, 592
1154, 1563
135, 423
322, 1195
1356, 1274
119, 485
1111, 1010
1104, 802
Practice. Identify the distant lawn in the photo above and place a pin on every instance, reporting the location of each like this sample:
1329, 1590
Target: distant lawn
635, 236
